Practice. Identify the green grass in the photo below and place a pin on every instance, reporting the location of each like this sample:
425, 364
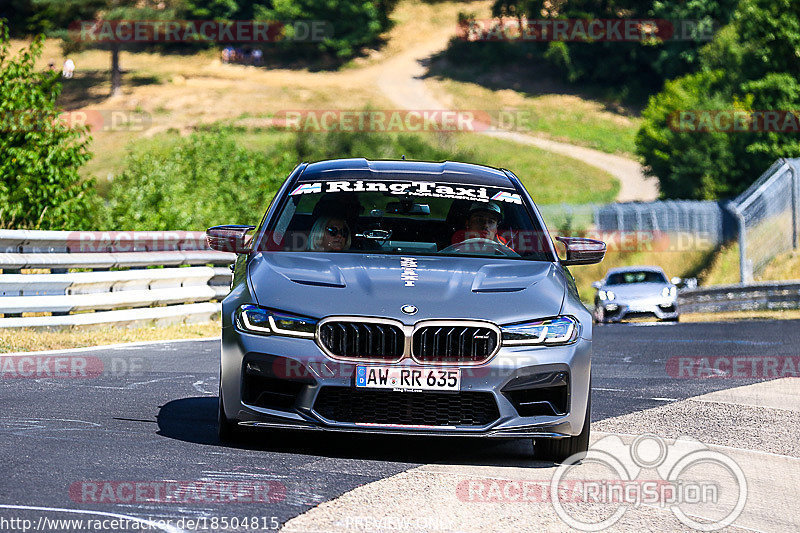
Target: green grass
724, 269
549, 177
568, 118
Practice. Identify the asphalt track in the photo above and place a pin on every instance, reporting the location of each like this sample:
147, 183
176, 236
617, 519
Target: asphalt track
150, 417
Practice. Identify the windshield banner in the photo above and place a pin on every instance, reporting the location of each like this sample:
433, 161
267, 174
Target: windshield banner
413, 188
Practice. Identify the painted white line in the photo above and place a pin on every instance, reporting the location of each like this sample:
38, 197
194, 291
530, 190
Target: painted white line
198, 386
608, 390
740, 404
132, 385
119, 346
151, 524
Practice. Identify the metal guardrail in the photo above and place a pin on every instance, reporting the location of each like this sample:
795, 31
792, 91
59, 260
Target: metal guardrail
768, 216
752, 296
189, 277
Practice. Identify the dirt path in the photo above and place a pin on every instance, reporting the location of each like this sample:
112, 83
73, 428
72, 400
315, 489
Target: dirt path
401, 79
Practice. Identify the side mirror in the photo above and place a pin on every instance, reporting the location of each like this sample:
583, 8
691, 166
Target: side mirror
676, 280
582, 251
230, 238
597, 285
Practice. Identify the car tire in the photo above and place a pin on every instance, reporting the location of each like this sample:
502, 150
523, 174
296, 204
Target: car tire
598, 316
558, 450
227, 430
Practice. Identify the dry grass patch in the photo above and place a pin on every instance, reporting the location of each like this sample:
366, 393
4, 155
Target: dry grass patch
25, 340
782, 314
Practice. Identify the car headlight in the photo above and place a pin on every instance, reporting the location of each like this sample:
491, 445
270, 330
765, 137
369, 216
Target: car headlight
263, 321
559, 330
668, 292
606, 295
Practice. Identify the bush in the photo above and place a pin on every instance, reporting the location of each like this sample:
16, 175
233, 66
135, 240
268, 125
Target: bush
210, 178
353, 24
204, 180
629, 68
40, 187
751, 66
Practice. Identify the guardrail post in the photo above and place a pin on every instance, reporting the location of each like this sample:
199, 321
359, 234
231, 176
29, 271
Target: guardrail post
745, 275
795, 185
744, 272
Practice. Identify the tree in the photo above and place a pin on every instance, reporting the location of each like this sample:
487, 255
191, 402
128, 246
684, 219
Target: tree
355, 23
39, 154
751, 66
631, 67
65, 19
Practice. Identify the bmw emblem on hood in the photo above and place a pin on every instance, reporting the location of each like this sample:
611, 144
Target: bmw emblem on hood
409, 309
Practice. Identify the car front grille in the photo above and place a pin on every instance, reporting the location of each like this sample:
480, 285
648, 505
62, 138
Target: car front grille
363, 340
454, 344
347, 404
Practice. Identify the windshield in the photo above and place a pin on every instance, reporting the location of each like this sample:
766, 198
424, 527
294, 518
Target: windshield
406, 217
644, 276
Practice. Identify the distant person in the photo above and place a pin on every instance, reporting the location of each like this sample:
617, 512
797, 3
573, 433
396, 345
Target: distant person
69, 68
51, 66
228, 54
329, 234
256, 56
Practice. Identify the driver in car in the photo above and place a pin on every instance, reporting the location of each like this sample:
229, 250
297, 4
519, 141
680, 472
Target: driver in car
482, 221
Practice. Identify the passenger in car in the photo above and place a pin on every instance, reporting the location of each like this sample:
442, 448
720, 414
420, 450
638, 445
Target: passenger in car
329, 234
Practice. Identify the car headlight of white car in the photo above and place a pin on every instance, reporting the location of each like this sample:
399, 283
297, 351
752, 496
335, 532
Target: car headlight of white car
669, 292
606, 295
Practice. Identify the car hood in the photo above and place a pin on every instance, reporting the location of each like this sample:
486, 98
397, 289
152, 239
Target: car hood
636, 290
325, 284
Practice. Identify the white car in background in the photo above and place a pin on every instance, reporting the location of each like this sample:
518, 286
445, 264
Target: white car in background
635, 292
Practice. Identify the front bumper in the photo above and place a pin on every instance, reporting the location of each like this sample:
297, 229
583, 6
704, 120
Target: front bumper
617, 310
299, 372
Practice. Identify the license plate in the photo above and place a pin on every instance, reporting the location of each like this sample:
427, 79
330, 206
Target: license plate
410, 379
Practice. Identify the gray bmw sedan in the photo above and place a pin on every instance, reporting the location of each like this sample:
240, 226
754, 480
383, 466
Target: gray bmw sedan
406, 297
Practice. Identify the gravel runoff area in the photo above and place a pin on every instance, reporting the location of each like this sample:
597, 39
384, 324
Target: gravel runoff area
761, 435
